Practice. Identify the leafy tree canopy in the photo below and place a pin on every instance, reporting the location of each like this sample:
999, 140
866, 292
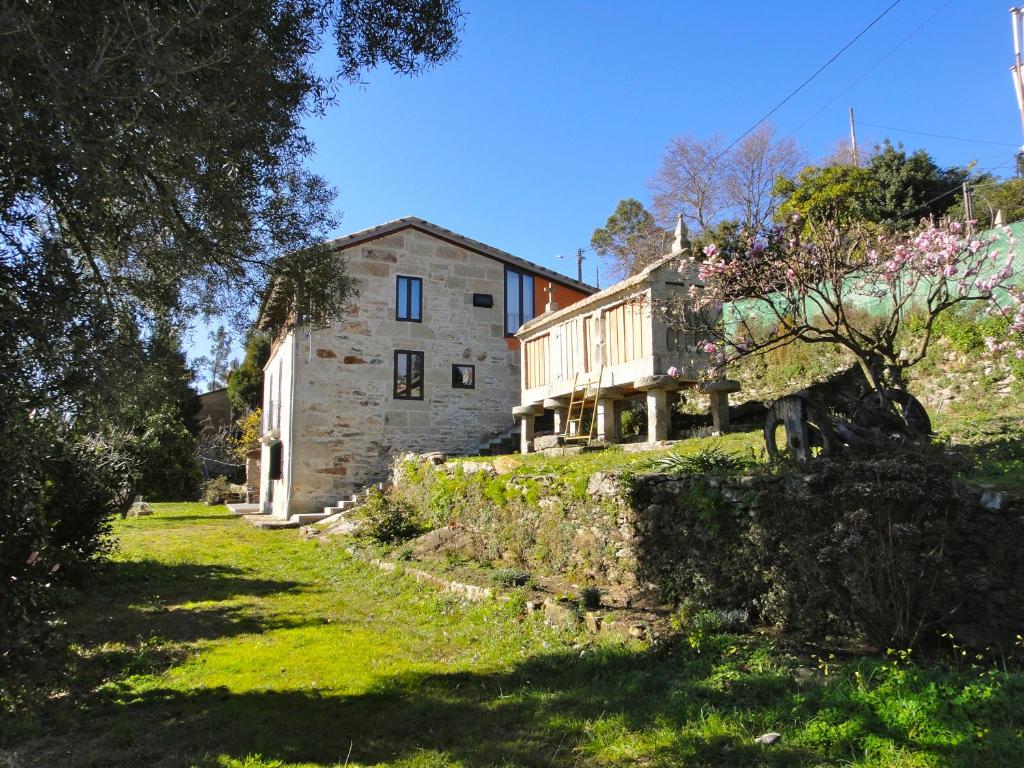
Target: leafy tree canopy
894, 190
245, 385
630, 240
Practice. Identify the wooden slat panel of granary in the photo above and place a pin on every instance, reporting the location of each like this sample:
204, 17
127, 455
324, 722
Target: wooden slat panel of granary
536, 357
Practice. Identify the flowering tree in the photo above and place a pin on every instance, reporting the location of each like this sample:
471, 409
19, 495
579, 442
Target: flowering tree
849, 286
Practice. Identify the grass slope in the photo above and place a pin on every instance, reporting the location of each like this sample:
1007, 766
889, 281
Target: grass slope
209, 643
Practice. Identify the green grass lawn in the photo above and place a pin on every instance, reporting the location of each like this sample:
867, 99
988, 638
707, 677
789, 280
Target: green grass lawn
209, 643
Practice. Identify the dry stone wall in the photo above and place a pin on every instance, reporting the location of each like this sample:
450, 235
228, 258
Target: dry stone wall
809, 551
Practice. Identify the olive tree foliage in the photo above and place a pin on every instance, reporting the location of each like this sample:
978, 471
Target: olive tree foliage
153, 167
161, 143
708, 182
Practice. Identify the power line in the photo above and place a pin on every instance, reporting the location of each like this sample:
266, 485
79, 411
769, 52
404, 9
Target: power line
869, 70
957, 188
936, 135
817, 72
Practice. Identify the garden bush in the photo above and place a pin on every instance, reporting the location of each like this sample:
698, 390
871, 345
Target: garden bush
56, 501
216, 490
387, 520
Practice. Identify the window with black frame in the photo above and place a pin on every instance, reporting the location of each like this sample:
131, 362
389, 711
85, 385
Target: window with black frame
464, 376
408, 375
518, 299
409, 299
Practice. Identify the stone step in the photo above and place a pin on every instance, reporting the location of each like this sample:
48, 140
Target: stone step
309, 517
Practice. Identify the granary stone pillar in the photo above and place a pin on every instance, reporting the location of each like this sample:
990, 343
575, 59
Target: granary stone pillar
605, 414
718, 391
526, 414
659, 416
560, 408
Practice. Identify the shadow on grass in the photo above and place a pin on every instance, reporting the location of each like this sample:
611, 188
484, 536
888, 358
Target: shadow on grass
556, 710
143, 616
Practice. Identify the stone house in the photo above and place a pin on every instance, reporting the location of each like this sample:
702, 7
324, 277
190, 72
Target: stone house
427, 360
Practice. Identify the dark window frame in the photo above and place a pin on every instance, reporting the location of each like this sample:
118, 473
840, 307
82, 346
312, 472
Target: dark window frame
519, 275
457, 378
485, 300
275, 461
408, 375
408, 298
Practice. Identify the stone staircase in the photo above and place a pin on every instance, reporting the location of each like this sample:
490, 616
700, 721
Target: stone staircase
338, 518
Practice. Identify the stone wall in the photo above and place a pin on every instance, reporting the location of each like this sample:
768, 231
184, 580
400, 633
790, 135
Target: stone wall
756, 543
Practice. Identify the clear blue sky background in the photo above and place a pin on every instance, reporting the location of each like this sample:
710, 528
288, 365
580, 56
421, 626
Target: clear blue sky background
554, 111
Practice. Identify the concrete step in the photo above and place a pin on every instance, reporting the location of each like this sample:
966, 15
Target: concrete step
309, 517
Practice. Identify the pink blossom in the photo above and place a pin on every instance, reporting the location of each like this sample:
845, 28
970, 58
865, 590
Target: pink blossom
673, 372
711, 348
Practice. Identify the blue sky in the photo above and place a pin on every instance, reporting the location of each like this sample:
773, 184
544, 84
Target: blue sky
554, 111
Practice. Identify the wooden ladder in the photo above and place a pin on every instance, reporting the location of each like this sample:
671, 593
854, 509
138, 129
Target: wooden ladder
579, 405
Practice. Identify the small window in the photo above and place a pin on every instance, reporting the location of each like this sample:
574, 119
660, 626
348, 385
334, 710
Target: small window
483, 300
408, 375
464, 377
409, 299
276, 454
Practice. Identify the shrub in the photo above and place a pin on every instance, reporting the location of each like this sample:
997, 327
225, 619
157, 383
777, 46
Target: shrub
386, 520
55, 506
590, 598
216, 490
711, 460
510, 577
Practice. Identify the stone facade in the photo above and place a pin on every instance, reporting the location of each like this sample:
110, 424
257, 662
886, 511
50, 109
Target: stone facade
332, 391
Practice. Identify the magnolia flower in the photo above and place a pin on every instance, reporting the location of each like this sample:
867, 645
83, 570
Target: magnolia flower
711, 250
673, 372
711, 348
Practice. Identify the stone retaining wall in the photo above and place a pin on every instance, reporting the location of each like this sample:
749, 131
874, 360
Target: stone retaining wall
736, 542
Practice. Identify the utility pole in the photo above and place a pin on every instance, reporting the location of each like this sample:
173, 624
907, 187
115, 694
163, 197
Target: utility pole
853, 141
968, 206
1017, 72
579, 264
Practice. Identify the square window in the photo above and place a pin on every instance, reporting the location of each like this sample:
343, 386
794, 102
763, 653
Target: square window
409, 299
464, 377
408, 375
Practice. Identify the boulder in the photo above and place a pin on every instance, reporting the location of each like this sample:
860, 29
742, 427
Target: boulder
451, 538
139, 508
506, 465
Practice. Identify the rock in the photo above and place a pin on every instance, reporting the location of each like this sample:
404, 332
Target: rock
639, 630
532, 606
139, 508
435, 457
768, 738
602, 484
546, 442
992, 500
447, 539
593, 621
477, 466
506, 465
558, 613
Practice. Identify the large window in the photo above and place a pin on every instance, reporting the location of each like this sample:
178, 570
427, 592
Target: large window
408, 375
409, 304
518, 299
